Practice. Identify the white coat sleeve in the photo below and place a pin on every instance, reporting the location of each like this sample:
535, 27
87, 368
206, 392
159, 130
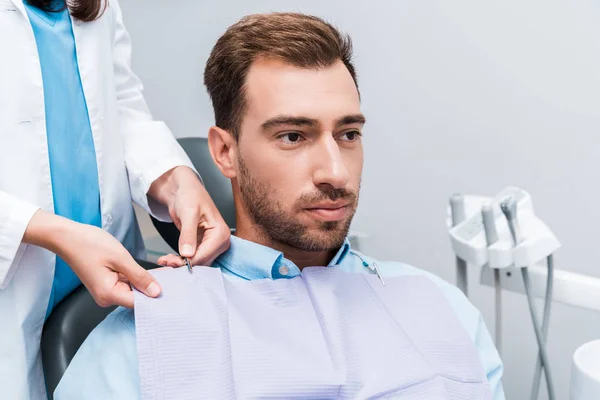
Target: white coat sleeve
15, 215
150, 147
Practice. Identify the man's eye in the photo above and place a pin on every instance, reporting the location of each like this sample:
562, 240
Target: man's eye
291, 137
350, 136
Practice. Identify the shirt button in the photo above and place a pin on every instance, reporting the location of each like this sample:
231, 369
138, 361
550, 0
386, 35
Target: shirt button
283, 270
109, 219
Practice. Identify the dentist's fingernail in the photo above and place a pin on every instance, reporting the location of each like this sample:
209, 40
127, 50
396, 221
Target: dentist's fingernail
187, 250
153, 289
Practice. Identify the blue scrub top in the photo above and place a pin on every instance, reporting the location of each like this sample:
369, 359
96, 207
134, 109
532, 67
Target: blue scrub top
73, 167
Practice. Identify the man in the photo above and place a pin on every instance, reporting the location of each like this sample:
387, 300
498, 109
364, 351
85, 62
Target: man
288, 135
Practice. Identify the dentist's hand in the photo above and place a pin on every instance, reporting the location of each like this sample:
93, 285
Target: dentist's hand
204, 233
100, 261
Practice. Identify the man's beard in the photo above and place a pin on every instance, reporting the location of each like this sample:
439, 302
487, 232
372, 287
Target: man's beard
281, 226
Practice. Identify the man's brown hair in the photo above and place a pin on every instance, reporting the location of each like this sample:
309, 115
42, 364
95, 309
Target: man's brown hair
298, 39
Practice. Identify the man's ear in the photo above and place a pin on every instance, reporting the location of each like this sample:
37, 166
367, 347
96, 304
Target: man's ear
222, 148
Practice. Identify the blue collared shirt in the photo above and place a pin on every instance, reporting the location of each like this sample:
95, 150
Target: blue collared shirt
106, 365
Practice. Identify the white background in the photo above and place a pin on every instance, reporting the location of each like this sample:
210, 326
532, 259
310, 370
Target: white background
465, 96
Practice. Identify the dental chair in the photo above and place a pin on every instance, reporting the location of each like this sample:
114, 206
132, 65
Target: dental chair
77, 315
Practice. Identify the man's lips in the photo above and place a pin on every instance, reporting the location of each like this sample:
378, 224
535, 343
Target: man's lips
335, 211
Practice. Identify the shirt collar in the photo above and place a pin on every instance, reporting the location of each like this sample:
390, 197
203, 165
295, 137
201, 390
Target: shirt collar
50, 17
251, 260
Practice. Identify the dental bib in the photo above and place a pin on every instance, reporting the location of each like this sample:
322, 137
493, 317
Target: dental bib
326, 334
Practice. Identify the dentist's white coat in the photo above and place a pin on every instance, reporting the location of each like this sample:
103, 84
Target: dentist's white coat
132, 150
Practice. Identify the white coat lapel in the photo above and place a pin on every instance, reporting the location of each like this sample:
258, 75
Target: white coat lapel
18, 4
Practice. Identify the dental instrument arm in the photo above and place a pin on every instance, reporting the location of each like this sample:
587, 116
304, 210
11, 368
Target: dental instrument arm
491, 236
546, 319
509, 209
457, 207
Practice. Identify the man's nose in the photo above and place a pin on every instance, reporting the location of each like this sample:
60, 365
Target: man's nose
329, 164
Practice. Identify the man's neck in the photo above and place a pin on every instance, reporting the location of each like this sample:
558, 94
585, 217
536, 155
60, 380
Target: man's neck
299, 257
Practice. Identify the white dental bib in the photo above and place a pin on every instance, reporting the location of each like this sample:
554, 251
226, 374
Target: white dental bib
326, 334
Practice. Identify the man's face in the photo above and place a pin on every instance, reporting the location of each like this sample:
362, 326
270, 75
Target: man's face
300, 153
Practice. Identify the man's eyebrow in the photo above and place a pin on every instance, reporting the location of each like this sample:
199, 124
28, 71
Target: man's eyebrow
289, 120
351, 119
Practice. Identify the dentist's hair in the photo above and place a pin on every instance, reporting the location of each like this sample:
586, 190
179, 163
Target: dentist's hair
82, 10
298, 39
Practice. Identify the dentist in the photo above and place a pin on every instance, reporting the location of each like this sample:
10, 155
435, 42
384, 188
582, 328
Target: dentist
78, 145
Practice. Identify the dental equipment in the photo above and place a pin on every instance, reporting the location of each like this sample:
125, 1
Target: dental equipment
469, 242
457, 207
585, 372
491, 236
189, 265
371, 267
545, 323
509, 209
375, 269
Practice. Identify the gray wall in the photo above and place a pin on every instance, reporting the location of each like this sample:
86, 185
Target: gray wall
461, 95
